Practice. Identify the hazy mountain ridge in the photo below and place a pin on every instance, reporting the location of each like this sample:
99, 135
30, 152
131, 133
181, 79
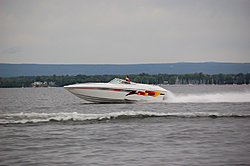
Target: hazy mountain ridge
14, 70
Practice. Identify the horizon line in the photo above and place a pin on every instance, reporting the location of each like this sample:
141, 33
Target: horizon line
112, 63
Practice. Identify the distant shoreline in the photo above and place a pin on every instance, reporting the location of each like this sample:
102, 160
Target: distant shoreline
162, 79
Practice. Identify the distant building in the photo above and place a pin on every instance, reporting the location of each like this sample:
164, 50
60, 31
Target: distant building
37, 83
177, 82
52, 83
165, 82
45, 83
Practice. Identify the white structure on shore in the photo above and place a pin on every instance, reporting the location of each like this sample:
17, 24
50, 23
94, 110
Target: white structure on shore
39, 83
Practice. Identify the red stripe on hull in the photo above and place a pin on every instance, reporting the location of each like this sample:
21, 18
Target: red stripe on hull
117, 90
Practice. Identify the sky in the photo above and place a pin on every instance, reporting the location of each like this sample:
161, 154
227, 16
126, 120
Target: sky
124, 31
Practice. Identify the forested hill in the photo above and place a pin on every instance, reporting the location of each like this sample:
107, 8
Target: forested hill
15, 70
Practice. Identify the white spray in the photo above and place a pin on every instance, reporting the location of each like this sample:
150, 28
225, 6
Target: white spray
206, 98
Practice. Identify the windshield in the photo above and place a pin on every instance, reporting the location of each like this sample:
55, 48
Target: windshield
119, 81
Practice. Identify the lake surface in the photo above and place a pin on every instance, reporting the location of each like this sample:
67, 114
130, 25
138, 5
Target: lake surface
196, 125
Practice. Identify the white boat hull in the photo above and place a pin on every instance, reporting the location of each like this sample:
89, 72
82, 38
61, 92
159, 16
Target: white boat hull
116, 93
98, 95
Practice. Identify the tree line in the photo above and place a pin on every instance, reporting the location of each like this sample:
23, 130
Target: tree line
196, 78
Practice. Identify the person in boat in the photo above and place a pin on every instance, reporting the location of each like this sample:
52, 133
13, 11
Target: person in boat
127, 79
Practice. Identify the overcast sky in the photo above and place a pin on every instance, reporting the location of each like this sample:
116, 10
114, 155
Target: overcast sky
124, 31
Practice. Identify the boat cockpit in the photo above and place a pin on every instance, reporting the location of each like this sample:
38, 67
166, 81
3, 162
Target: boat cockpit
119, 81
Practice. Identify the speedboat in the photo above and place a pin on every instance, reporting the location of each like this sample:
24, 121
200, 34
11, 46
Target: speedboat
117, 91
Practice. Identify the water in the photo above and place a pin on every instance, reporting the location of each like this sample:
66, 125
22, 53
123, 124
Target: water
196, 125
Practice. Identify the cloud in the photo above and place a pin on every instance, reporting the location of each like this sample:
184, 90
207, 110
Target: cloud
118, 31
11, 50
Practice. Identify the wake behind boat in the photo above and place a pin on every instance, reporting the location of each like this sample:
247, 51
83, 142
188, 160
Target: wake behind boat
117, 91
